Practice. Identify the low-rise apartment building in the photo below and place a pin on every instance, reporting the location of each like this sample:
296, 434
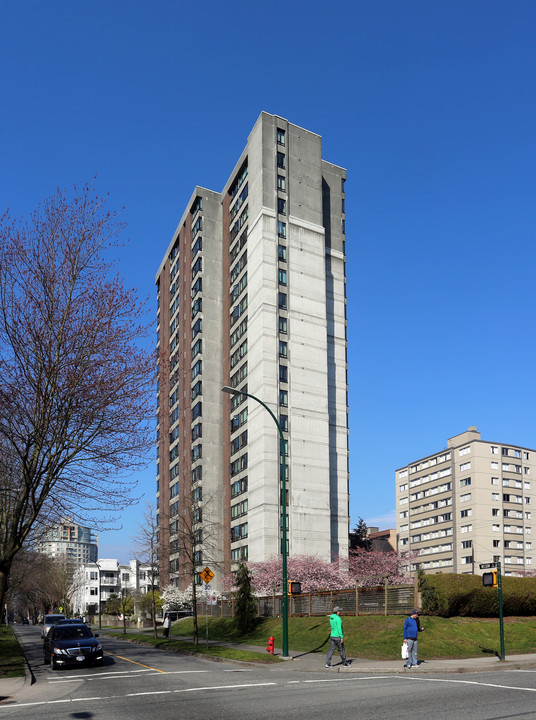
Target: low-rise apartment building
468, 504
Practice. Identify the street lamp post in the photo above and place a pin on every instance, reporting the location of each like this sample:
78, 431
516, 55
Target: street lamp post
99, 592
233, 391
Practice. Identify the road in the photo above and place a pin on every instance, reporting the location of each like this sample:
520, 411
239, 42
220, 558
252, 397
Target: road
138, 682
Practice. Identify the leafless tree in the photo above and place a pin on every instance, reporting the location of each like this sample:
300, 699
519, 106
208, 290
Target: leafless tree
75, 379
146, 551
199, 543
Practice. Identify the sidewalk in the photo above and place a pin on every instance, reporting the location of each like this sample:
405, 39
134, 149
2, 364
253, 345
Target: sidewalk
315, 662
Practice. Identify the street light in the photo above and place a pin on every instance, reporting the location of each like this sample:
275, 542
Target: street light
99, 591
233, 391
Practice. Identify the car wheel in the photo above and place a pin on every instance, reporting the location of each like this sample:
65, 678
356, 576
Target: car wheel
53, 664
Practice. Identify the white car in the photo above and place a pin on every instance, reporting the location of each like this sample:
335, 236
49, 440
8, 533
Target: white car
49, 621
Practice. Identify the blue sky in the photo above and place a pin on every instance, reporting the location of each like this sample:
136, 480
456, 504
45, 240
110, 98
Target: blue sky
429, 105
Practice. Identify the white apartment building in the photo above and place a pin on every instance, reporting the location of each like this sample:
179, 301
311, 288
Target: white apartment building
469, 504
111, 577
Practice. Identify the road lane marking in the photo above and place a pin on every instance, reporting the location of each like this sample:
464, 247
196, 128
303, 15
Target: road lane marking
468, 682
136, 663
224, 687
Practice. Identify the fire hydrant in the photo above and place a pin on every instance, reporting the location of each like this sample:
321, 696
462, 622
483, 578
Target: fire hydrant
270, 645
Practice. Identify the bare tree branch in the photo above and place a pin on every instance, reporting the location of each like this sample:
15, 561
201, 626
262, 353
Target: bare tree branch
75, 380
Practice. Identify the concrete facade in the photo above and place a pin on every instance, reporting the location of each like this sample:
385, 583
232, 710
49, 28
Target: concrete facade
270, 314
468, 504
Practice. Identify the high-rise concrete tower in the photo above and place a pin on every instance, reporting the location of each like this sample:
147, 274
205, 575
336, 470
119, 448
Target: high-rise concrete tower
252, 295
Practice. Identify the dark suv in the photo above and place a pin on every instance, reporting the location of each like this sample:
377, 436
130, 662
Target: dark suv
71, 645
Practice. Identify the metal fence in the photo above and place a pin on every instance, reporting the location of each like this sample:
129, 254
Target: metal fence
380, 600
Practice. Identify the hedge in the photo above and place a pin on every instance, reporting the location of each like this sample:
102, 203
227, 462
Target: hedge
464, 595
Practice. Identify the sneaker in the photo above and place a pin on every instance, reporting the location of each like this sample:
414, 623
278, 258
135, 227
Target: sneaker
347, 664
414, 666
327, 665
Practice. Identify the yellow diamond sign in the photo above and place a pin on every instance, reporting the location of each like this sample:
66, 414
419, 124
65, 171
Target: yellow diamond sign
207, 575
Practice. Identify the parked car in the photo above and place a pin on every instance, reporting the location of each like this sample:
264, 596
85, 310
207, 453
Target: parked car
71, 644
49, 621
71, 621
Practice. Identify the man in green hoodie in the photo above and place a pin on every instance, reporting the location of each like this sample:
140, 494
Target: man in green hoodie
336, 637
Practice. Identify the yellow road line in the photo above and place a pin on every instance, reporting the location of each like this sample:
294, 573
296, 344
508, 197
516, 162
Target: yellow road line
136, 663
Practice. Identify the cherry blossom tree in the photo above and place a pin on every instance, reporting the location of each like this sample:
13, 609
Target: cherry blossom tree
76, 379
368, 568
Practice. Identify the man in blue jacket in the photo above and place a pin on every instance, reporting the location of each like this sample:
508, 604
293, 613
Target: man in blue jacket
411, 630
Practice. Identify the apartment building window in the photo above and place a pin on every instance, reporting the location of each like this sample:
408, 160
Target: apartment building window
198, 246
494, 480
466, 513
281, 137
283, 349
465, 466
238, 532
197, 453
283, 421
283, 398
197, 494
197, 431
197, 286
281, 229
197, 266
525, 455
465, 498
239, 487
495, 497
281, 183
281, 253
239, 509
197, 328
282, 301
196, 390
467, 560
465, 481
238, 554
464, 451
281, 160
283, 373
93, 591
197, 369
282, 277
281, 206
495, 527
283, 325
197, 410
494, 512
496, 543
494, 450
494, 465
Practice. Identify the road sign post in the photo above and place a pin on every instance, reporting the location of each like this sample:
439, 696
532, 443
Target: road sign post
207, 576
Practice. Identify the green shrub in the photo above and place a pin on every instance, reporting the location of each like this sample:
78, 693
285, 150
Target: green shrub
464, 595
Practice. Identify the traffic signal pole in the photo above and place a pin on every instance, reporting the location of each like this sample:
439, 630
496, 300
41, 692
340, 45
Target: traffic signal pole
501, 622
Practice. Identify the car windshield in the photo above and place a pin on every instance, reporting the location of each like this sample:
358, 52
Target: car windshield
71, 632
53, 618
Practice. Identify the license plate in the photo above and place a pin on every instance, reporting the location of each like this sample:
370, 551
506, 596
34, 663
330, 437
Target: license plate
80, 658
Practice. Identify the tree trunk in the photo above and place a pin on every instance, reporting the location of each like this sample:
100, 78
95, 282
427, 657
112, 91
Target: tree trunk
4, 582
155, 634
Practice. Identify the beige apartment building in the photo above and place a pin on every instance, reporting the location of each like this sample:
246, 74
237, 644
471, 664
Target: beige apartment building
468, 504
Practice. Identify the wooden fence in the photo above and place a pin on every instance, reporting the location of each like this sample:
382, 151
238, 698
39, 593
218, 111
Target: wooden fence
380, 600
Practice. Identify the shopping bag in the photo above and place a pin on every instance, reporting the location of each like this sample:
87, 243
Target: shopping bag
404, 651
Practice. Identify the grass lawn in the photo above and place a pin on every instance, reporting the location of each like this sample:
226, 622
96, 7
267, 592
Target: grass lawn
380, 638
12, 663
